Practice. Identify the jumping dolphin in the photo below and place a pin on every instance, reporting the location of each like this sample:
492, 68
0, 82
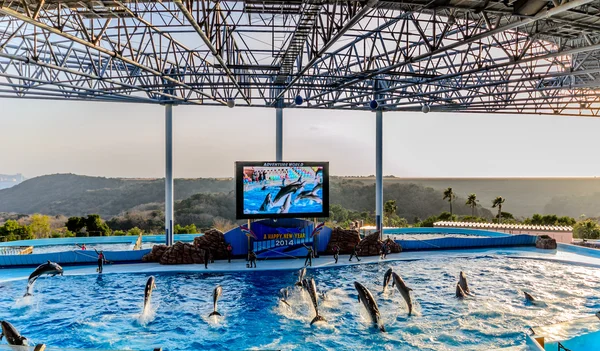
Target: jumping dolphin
462, 280
305, 284
288, 189
46, 268
312, 291
266, 204
286, 204
150, 285
301, 274
528, 296
365, 296
12, 335
316, 188
310, 196
284, 293
404, 290
386, 278
460, 293
216, 293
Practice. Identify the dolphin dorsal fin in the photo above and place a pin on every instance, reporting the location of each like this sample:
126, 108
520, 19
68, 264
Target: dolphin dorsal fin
409, 289
48, 261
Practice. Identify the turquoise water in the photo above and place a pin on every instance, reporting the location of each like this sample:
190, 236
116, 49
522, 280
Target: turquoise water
90, 311
582, 342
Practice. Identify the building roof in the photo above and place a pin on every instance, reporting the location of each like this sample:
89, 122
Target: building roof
476, 225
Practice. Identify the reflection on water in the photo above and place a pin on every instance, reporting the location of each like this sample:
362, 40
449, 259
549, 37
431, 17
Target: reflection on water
106, 312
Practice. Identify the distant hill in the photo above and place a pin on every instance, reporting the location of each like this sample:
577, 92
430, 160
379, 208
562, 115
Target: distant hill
69, 195
75, 195
524, 196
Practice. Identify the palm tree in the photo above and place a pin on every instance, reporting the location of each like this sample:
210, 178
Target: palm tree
389, 208
449, 194
497, 202
472, 202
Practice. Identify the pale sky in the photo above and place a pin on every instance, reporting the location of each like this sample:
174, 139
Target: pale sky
127, 140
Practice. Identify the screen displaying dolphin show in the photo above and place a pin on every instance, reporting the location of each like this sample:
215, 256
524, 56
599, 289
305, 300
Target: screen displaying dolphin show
282, 189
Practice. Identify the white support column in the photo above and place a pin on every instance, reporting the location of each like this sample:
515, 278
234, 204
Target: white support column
379, 172
279, 134
169, 174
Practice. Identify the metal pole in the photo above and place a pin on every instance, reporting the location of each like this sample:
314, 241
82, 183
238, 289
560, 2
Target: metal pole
169, 174
279, 134
379, 172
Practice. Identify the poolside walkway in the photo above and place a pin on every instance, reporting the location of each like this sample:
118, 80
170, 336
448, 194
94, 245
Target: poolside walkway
239, 265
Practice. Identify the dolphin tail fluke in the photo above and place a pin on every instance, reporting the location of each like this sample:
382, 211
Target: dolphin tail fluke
215, 313
26, 294
317, 319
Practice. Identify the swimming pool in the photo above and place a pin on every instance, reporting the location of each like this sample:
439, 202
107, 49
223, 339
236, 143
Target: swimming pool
89, 311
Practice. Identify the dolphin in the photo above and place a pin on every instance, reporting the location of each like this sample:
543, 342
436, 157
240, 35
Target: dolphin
12, 335
460, 293
263, 188
310, 196
216, 294
312, 291
288, 189
301, 274
150, 285
286, 204
46, 268
404, 290
284, 293
528, 296
365, 296
386, 278
305, 284
267, 203
462, 280
316, 188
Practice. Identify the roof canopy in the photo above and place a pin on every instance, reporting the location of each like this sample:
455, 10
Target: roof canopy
512, 56
549, 228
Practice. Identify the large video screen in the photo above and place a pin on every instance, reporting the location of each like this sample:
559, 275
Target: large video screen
282, 189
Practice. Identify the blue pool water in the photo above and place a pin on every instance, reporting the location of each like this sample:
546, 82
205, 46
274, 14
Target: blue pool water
90, 311
254, 197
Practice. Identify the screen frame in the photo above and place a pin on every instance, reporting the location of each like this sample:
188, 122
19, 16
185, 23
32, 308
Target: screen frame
239, 189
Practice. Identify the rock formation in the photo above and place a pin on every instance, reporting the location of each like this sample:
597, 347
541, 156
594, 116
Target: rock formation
179, 253
370, 245
545, 242
345, 239
214, 240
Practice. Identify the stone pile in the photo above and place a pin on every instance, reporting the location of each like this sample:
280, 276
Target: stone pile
545, 242
345, 239
214, 240
370, 245
155, 255
182, 253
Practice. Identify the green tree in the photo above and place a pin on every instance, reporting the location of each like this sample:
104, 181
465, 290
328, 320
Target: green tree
446, 216
450, 196
472, 202
95, 226
136, 231
188, 229
75, 224
389, 209
12, 230
40, 226
497, 202
587, 229
566, 221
